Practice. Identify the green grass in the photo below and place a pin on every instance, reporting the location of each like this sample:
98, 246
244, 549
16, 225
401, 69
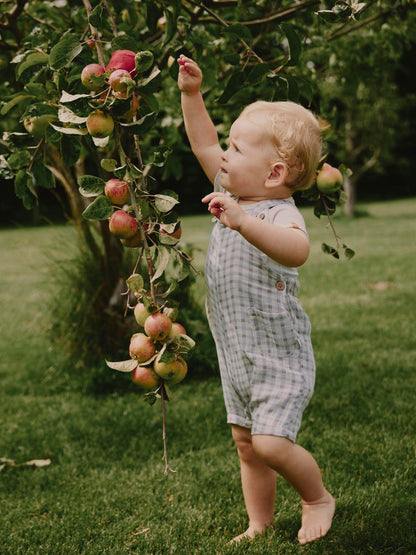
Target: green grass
105, 491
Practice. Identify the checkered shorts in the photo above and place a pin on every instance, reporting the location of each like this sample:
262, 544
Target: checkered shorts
261, 332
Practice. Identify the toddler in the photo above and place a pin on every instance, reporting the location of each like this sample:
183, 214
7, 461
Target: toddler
261, 332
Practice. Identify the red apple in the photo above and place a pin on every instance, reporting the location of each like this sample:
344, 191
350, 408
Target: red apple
329, 179
173, 372
132, 242
117, 191
141, 347
145, 377
123, 59
121, 83
176, 329
100, 124
157, 326
141, 314
122, 224
90, 77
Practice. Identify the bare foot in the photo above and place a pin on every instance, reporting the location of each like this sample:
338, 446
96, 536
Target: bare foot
316, 519
249, 534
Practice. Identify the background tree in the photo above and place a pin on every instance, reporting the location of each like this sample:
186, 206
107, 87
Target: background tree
355, 73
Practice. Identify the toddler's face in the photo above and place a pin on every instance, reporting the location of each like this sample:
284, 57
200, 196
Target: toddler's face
248, 161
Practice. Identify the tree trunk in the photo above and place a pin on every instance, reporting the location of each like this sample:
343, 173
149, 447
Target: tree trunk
350, 187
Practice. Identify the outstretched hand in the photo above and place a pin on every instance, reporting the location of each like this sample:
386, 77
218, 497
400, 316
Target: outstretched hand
190, 76
226, 209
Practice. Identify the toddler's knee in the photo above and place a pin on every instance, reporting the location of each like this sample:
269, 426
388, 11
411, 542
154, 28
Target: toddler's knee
242, 440
275, 451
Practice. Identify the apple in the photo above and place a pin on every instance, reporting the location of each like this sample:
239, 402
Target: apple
37, 125
100, 124
141, 314
329, 179
91, 43
157, 326
123, 59
145, 377
132, 242
176, 329
117, 191
173, 372
121, 83
141, 347
90, 77
122, 224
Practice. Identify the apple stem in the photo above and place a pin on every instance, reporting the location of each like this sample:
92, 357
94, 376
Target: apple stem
164, 398
337, 237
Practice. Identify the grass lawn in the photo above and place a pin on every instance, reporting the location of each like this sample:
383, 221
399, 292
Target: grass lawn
105, 492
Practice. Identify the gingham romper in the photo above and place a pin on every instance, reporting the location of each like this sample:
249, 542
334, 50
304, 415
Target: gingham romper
261, 332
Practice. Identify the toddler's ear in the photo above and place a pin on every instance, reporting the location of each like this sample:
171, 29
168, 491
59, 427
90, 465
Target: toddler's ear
278, 175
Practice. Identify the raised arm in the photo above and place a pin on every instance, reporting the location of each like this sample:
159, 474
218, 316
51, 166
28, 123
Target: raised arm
199, 127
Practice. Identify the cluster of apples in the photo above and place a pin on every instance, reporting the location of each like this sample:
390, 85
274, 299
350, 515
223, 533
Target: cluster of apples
116, 80
159, 330
122, 224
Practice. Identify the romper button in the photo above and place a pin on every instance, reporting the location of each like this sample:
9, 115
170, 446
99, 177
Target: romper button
280, 286
262, 216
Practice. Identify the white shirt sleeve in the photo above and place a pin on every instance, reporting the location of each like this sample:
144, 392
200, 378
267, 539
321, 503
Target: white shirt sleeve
286, 214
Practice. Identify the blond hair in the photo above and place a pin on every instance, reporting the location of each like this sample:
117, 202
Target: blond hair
296, 136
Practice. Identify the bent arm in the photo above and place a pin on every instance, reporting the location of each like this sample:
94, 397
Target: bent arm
285, 245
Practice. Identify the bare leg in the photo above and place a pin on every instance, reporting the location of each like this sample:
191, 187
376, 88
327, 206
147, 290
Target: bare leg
300, 469
258, 482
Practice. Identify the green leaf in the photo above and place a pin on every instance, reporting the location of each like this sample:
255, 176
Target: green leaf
70, 148
6, 166
65, 115
142, 126
161, 263
69, 130
122, 365
257, 73
99, 209
97, 16
65, 51
234, 84
238, 30
41, 175
327, 249
144, 60
160, 155
164, 203
91, 183
295, 45
36, 89
13, 102
20, 183
349, 253
135, 283
67, 97
166, 357
35, 58
109, 164
151, 83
